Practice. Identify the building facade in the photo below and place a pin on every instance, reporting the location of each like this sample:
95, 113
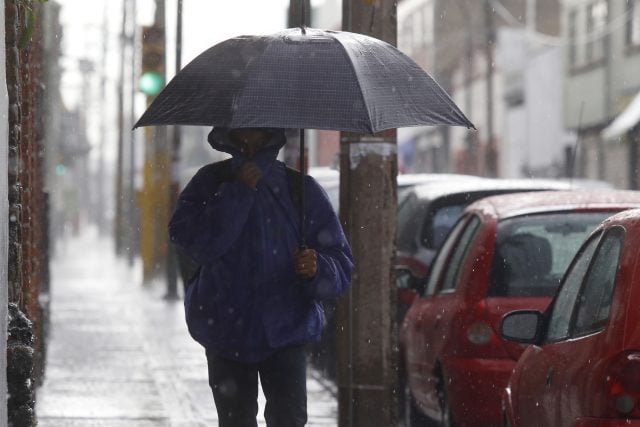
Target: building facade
484, 56
602, 69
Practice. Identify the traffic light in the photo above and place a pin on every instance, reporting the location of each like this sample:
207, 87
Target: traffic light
152, 74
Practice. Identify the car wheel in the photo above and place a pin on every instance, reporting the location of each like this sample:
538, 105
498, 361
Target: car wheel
413, 417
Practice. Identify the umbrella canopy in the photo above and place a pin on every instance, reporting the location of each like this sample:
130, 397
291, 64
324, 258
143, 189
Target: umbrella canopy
304, 78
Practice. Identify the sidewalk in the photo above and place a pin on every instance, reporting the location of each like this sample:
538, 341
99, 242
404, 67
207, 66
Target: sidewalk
120, 355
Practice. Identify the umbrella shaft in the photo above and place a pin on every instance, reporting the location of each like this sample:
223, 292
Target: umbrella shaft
302, 191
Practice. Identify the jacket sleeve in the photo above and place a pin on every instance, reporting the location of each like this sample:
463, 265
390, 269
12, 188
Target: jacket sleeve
325, 235
209, 215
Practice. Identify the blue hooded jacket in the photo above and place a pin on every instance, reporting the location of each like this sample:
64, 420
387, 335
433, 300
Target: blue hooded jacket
246, 301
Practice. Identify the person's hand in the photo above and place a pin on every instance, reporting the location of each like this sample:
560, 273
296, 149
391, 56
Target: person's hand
249, 174
305, 262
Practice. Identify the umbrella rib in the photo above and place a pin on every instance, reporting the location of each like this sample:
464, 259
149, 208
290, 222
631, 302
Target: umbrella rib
364, 102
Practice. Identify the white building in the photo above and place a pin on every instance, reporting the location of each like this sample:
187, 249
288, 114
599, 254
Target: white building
602, 68
527, 125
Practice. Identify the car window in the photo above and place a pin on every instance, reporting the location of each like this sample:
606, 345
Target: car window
532, 252
410, 216
565, 299
458, 255
443, 219
443, 255
594, 303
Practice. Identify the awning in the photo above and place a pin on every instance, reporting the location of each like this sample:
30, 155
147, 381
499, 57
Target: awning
625, 121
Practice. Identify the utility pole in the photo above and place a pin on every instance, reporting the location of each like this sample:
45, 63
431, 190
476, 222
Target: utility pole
154, 200
100, 198
174, 188
367, 327
119, 214
491, 166
132, 213
471, 157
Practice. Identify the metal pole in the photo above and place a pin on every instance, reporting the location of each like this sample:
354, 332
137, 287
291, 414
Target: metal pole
491, 166
119, 220
100, 202
172, 257
133, 230
471, 158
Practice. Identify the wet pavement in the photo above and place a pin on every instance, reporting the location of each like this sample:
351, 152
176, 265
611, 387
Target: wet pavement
119, 354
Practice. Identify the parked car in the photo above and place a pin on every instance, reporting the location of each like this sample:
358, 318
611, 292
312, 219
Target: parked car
329, 179
427, 212
505, 253
583, 368
323, 353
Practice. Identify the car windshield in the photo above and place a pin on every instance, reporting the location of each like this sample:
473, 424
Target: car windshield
532, 252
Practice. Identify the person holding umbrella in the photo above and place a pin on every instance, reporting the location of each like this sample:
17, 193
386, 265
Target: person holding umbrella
256, 298
265, 265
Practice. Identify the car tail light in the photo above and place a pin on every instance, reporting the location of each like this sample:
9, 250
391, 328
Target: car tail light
479, 333
623, 382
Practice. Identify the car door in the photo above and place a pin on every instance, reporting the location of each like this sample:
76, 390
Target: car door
445, 303
533, 396
416, 331
578, 355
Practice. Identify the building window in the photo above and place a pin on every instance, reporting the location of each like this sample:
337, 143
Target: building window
573, 38
633, 23
596, 22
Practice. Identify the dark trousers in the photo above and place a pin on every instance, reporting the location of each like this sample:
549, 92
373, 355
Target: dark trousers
284, 384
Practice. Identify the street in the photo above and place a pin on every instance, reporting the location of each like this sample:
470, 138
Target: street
120, 355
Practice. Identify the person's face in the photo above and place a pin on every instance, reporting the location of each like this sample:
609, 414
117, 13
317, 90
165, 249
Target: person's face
250, 141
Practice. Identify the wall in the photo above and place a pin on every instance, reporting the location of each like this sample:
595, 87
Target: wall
534, 135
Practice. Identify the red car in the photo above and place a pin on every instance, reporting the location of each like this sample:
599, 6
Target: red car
427, 212
584, 367
505, 253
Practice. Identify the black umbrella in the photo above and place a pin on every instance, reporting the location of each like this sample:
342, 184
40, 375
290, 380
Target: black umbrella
304, 78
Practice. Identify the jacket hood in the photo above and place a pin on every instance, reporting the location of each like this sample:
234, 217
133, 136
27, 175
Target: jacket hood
219, 140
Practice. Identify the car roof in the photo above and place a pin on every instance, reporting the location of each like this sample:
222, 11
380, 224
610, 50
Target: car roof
628, 217
408, 179
431, 191
330, 177
510, 205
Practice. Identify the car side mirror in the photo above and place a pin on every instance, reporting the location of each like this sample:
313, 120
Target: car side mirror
406, 280
523, 326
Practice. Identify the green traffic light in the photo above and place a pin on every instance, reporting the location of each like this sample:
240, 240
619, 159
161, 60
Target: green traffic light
151, 83
61, 169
